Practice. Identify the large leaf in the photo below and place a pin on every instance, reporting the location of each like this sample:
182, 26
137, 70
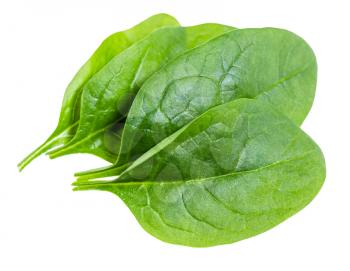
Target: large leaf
110, 47
267, 64
237, 170
108, 95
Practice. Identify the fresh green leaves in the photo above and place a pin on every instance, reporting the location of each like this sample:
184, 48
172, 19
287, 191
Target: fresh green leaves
114, 73
110, 47
248, 63
202, 126
268, 64
107, 97
235, 171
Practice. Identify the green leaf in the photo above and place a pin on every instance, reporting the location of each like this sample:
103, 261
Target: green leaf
199, 34
235, 171
267, 64
108, 95
110, 47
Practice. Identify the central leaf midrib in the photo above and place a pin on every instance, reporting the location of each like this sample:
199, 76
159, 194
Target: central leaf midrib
191, 181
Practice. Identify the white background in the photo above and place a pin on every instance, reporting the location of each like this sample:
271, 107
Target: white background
45, 226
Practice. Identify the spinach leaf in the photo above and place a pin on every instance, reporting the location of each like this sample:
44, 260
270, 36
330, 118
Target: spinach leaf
108, 95
267, 64
110, 47
235, 171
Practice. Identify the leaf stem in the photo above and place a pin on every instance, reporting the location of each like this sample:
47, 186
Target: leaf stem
46, 146
102, 172
57, 138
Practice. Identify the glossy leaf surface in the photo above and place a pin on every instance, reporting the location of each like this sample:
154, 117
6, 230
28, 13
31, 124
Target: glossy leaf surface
267, 64
107, 97
235, 171
110, 47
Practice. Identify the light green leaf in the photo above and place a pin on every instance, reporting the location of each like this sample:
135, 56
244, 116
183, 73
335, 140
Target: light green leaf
266, 64
235, 171
108, 95
110, 47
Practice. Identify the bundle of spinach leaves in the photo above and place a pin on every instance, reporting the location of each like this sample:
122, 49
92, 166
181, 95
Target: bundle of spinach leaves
201, 126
